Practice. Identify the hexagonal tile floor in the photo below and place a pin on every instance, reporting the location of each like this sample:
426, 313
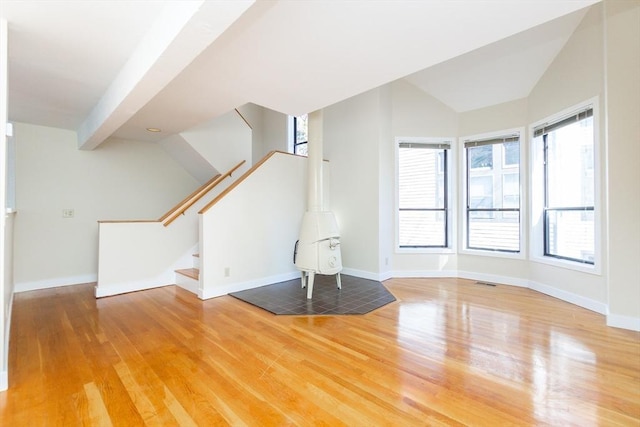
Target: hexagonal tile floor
357, 296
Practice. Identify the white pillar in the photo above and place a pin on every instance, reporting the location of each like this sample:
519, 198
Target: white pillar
315, 193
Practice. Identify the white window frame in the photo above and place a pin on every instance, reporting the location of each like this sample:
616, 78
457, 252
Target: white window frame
536, 203
462, 201
451, 185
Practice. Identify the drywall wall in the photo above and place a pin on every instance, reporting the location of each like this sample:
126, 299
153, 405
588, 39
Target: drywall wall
508, 115
622, 35
576, 75
6, 224
252, 113
118, 180
247, 238
351, 141
418, 114
386, 184
501, 117
276, 132
224, 141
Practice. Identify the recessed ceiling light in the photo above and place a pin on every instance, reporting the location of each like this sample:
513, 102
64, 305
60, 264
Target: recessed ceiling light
154, 130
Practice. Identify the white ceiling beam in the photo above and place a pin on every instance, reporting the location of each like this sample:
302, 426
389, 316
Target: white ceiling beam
183, 30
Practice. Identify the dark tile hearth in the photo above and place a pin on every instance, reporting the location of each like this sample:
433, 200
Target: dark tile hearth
357, 296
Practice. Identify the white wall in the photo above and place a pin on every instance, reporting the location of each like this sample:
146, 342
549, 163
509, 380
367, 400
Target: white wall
622, 36
119, 180
247, 238
355, 128
576, 75
224, 141
252, 113
351, 145
276, 132
6, 223
417, 114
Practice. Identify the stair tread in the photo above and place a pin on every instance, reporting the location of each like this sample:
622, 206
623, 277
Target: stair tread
193, 273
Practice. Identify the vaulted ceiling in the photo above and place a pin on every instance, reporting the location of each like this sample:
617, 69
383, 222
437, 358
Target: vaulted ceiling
107, 68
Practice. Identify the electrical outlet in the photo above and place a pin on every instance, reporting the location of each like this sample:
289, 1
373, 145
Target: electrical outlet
67, 213
227, 272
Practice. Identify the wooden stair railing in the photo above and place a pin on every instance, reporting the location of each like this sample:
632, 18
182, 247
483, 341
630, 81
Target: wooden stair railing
191, 199
239, 180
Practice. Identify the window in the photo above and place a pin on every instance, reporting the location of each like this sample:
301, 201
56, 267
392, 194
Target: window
493, 193
568, 213
423, 194
300, 135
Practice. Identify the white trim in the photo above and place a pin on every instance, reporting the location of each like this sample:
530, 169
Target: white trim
187, 283
54, 283
367, 274
462, 194
536, 199
4, 370
494, 278
584, 302
218, 291
452, 214
126, 287
624, 322
426, 274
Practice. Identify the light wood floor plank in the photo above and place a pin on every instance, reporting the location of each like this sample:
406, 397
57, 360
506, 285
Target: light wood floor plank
447, 352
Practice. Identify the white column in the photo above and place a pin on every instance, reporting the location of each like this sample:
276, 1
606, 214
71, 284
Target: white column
315, 192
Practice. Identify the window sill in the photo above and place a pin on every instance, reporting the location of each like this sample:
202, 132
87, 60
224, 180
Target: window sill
447, 251
569, 265
496, 254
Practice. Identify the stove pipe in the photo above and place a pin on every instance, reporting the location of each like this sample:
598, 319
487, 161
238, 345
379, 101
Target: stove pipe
318, 248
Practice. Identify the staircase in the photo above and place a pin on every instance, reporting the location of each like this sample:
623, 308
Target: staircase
189, 278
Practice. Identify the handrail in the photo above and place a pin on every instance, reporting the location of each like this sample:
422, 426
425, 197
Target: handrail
189, 197
121, 221
197, 195
243, 118
239, 180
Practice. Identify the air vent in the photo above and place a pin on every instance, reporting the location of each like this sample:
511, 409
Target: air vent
486, 284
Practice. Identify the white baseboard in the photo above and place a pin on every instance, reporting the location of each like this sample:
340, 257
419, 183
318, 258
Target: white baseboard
427, 274
624, 322
578, 300
4, 366
4, 380
217, 291
54, 283
187, 283
366, 274
140, 285
493, 278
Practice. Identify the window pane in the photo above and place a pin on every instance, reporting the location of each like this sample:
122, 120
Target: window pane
490, 189
570, 179
511, 190
481, 157
570, 234
301, 149
302, 129
481, 192
511, 154
422, 228
420, 181
497, 231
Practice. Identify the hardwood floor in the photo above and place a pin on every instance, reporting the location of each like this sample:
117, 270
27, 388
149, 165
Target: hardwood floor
448, 352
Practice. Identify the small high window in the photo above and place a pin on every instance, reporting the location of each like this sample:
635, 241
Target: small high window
300, 134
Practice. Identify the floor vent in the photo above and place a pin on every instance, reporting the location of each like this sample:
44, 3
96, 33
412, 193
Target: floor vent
486, 284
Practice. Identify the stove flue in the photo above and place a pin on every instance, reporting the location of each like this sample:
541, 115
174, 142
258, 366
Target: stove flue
318, 248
